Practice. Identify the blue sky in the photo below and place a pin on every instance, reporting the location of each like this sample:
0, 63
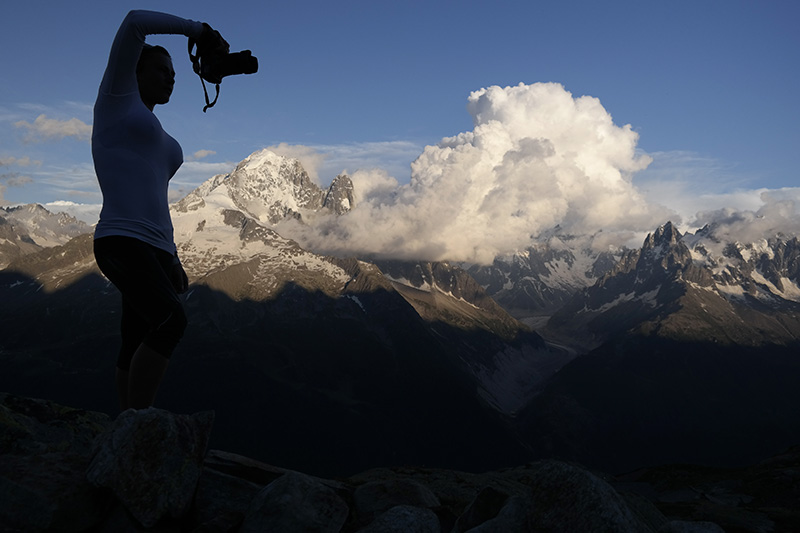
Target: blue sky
710, 87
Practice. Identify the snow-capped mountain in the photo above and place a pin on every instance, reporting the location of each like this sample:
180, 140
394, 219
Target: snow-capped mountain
28, 228
226, 220
692, 356
14, 241
693, 287
225, 242
415, 362
339, 197
269, 188
44, 227
231, 254
223, 225
534, 283
314, 345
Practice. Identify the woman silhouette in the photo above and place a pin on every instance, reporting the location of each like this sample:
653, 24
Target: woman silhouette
134, 160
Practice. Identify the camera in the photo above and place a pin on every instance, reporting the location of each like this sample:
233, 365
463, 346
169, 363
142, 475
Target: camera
214, 67
214, 60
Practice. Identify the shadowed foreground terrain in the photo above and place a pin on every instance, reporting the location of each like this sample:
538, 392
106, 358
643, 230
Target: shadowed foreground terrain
67, 469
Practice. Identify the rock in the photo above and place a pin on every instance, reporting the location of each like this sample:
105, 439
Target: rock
296, 502
405, 519
376, 497
47, 492
486, 505
682, 526
223, 498
31, 426
243, 467
229, 484
152, 460
44, 452
565, 497
224, 523
119, 520
46, 465
493, 510
512, 517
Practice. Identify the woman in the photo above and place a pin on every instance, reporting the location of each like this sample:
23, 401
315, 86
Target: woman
134, 160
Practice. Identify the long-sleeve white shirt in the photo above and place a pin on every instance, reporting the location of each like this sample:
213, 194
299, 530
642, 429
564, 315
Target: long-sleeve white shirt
134, 157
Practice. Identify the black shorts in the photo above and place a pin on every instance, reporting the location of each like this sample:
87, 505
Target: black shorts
152, 312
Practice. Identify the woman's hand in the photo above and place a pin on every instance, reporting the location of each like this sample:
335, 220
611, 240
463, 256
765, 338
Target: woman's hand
211, 42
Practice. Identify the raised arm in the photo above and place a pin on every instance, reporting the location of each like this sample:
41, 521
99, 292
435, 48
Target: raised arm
120, 74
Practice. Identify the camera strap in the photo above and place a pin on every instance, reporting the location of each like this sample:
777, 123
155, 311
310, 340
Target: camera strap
196, 67
205, 92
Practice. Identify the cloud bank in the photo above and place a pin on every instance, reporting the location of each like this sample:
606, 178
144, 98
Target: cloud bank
44, 128
19, 161
334, 159
537, 158
778, 214
201, 154
88, 213
14, 179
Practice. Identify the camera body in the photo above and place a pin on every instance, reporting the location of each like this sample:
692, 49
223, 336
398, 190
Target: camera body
215, 66
214, 60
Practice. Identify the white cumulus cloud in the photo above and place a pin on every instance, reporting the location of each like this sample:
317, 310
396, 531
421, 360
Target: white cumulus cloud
200, 154
779, 213
44, 128
89, 213
537, 158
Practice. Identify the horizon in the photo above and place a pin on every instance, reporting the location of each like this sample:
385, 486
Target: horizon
697, 100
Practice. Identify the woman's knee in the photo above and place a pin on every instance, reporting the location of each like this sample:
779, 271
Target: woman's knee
166, 337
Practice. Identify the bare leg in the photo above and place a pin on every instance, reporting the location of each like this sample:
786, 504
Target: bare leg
146, 372
122, 389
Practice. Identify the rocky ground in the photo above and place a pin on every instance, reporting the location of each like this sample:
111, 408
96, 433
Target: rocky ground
64, 469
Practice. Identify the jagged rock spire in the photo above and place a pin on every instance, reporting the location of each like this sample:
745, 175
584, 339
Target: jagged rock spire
339, 197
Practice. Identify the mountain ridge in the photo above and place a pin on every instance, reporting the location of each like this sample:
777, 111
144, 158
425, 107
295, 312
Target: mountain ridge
567, 287
669, 289
414, 346
27, 228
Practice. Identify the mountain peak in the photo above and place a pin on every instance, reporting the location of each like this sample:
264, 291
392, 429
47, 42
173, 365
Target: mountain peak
665, 247
270, 188
666, 234
36, 225
339, 197
261, 158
